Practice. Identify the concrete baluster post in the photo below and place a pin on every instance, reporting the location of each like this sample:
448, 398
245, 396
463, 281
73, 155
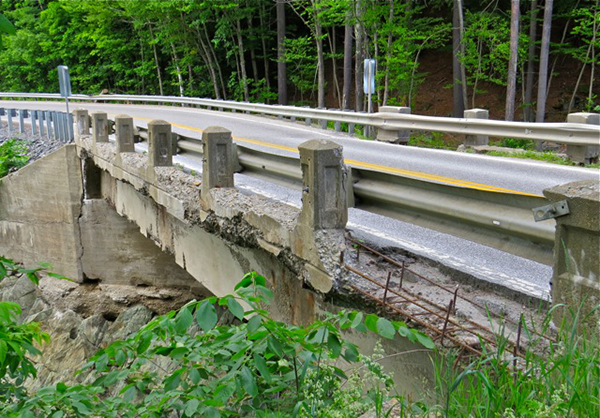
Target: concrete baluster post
576, 275
9, 115
48, 119
160, 148
394, 136
474, 140
583, 154
22, 115
217, 162
124, 133
34, 117
83, 122
324, 200
99, 127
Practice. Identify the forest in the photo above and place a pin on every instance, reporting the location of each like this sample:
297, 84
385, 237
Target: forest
311, 52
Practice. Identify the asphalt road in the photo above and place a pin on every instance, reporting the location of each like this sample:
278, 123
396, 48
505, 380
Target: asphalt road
462, 169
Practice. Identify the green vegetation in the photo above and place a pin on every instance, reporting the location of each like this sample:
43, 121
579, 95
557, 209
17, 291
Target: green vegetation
224, 357
435, 140
13, 155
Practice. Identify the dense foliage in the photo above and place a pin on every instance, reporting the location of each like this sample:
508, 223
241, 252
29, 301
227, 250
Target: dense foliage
13, 155
228, 48
228, 357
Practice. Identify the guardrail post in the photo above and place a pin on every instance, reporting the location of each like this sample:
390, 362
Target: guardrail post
576, 277
22, 115
350, 124
55, 122
160, 148
124, 133
48, 120
581, 153
322, 122
324, 200
2, 113
34, 116
99, 127
394, 136
83, 121
9, 115
473, 140
217, 159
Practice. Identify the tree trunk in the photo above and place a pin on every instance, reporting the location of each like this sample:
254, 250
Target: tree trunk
178, 70
528, 117
264, 45
543, 77
211, 51
593, 63
386, 83
458, 107
242, 60
320, 57
347, 87
336, 83
359, 34
160, 84
511, 88
281, 66
208, 61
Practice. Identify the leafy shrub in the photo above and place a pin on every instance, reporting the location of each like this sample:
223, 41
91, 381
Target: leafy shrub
13, 155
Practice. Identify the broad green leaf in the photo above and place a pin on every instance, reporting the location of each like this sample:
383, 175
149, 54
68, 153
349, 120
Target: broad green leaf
334, 345
183, 321
206, 316
3, 351
351, 353
210, 412
235, 308
275, 346
61, 387
81, 408
146, 339
195, 376
120, 357
261, 366
248, 382
2, 270
371, 322
424, 340
172, 382
6, 26
357, 319
254, 323
191, 407
385, 328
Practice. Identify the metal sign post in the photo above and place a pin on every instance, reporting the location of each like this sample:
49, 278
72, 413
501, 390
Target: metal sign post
369, 85
64, 81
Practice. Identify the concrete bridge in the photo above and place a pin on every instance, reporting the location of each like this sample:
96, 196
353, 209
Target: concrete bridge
80, 209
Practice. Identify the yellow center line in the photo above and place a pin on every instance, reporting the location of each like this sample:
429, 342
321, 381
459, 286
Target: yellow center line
384, 168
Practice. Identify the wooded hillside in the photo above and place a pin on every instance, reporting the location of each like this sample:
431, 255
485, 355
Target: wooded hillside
311, 52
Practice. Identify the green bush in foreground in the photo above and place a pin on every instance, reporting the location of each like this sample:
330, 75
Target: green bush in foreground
13, 155
228, 357
255, 367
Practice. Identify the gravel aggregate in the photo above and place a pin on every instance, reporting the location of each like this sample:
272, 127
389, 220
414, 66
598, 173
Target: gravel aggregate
38, 146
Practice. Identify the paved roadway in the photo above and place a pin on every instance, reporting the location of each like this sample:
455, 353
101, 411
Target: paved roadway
460, 169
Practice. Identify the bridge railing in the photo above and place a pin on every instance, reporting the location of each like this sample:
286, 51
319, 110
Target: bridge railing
586, 132
46, 123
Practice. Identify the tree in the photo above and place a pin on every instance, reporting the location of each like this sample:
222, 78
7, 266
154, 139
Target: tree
511, 88
543, 73
5, 27
528, 116
281, 65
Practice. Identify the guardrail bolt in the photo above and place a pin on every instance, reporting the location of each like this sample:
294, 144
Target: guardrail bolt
394, 136
474, 140
325, 204
124, 133
83, 121
99, 127
218, 163
583, 154
160, 149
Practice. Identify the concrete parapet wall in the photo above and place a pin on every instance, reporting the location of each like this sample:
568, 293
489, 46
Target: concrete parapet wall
39, 208
576, 279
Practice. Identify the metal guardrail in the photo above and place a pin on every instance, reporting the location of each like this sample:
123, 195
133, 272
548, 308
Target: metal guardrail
48, 123
562, 133
501, 220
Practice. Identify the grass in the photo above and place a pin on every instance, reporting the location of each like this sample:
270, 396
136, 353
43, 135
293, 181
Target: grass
564, 381
547, 156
